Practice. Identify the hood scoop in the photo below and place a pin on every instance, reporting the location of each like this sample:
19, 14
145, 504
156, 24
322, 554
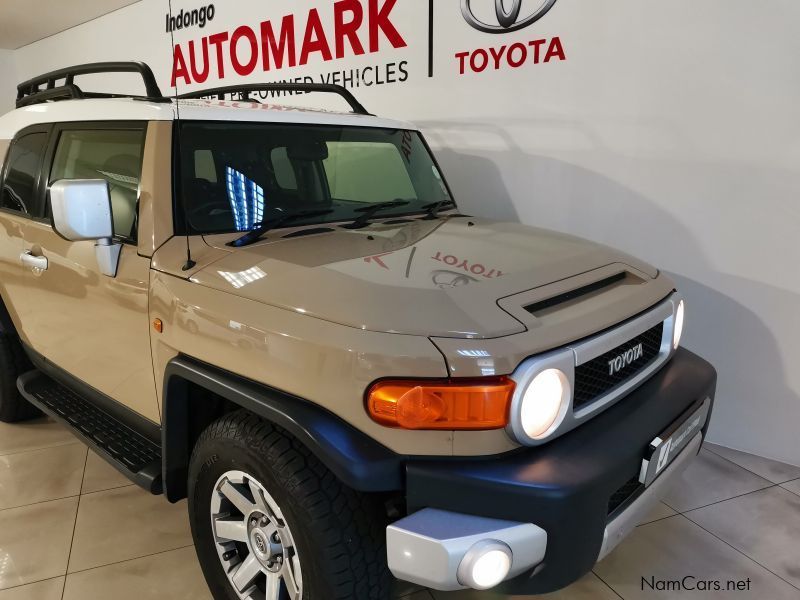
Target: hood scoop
599, 291
571, 309
584, 292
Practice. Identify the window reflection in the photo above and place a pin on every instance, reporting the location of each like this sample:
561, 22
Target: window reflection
474, 353
240, 279
246, 199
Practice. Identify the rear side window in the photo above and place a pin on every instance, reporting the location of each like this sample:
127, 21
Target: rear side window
19, 186
113, 155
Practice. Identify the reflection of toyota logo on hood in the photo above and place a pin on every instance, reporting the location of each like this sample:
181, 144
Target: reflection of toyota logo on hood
508, 20
444, 279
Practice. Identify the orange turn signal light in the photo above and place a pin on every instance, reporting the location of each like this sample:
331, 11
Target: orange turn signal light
446, 404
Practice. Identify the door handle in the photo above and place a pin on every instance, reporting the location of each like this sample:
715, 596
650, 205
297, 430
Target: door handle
33, 262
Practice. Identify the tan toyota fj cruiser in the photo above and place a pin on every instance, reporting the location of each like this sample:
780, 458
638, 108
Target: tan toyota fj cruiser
280, 314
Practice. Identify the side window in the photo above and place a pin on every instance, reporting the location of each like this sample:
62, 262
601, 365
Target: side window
19, 185
113, 155
348, 161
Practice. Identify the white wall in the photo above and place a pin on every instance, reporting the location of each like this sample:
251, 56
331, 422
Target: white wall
131, 33
8, 81
671, 131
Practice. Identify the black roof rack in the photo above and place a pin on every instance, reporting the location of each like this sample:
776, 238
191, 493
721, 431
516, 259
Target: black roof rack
29, 92
247, 89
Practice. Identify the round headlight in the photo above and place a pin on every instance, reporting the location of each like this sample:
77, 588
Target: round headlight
543, 401
485, 565
676, 335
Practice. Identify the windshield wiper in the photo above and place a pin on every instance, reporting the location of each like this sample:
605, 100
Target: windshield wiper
372, 210
256, 234
432, 209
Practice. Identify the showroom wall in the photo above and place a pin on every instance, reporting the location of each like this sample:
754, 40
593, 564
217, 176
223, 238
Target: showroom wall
667, 129
8, 81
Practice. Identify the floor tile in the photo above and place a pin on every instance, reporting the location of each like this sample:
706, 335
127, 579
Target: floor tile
763, 525
49, 589
663, 553
711, 478
101, 476
420, 595
406, 590
40, 475
33, 435
792, 486
126, 523
774, 471
34, 541
661, 511
174, 575
588, 588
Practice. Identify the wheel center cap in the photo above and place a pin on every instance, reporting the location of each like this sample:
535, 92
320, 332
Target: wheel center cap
260, 544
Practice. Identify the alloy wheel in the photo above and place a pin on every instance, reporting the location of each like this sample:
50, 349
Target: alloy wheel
253, 540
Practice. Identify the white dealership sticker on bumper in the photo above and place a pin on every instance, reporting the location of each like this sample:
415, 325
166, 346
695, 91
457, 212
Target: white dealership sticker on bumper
669, 444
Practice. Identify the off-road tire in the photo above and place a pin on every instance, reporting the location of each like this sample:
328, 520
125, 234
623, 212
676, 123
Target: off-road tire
13, 362
340, 534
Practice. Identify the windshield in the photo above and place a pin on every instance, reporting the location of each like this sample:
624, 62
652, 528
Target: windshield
235, 176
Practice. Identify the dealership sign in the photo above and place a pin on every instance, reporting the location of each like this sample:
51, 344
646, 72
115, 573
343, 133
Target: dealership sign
222, 43
358, 27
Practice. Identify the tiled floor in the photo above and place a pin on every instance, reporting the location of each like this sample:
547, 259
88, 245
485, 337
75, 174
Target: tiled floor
71, 528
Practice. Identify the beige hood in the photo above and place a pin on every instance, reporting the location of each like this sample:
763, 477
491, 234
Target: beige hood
439, 278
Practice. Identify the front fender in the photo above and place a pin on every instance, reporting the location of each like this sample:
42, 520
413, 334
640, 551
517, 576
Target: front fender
356, 459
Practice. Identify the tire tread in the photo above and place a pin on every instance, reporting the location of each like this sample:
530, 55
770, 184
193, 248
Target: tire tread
350, 523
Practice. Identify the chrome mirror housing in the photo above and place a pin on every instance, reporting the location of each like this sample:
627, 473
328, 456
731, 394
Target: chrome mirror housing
81, 210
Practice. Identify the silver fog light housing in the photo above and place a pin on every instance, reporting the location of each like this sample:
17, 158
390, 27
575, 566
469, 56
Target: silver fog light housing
544, 402
678, 330
486, 564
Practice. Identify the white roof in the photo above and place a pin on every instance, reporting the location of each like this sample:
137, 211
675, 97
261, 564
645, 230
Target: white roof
126, 109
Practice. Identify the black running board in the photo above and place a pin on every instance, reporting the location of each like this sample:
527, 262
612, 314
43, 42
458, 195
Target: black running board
132, 454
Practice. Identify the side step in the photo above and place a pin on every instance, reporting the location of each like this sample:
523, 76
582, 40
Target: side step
130, 453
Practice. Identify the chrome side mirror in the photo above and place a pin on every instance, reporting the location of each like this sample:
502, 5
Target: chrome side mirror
82, 211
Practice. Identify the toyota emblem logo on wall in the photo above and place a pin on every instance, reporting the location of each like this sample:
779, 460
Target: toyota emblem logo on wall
508, 19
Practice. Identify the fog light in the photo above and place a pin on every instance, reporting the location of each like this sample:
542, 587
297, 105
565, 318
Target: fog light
542, 404
485, 565
676, 335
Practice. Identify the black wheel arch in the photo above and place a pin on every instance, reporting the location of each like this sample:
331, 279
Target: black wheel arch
196, 394
6, 322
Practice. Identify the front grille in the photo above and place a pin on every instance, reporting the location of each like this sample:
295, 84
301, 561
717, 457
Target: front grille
593, 378
621, 496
